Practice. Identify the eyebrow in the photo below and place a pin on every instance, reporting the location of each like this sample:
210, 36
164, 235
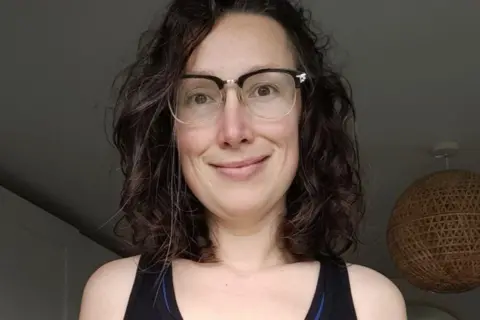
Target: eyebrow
251, 69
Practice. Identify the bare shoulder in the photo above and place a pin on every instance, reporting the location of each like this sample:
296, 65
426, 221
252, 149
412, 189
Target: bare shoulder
108, 289
375, 297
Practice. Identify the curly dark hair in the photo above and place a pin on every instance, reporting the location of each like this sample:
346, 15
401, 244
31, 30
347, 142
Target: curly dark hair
325, 201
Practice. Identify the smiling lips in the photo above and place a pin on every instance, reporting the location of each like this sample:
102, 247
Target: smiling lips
241, 170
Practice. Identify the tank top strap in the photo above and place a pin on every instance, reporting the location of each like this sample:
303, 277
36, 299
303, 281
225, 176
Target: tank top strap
148, 299
338, 303
318, 302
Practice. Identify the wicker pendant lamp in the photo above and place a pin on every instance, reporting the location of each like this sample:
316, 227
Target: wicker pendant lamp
433, 233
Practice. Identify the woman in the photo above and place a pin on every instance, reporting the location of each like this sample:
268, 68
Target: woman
242, 183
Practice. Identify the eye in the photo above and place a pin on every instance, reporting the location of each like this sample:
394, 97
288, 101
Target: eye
264, 90
199, 98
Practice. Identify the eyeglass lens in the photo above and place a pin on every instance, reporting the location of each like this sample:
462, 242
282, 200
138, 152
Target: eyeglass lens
268, 95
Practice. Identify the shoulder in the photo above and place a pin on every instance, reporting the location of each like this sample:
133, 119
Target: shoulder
108, 289
374, 296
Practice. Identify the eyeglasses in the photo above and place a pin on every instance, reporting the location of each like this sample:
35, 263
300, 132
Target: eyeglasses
267, 93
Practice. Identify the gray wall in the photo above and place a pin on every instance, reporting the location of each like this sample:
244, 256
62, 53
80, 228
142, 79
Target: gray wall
44, 263
464, 306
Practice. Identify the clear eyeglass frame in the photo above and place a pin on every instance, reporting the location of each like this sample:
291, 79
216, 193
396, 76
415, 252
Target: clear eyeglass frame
296, 77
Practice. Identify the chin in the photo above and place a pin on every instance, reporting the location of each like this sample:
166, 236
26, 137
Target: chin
239, 204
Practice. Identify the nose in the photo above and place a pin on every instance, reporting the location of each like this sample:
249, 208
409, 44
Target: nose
234, 124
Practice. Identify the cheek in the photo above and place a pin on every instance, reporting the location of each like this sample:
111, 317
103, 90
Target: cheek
183, 140
286, 131
292, 145
187, 152
191, 143
289, 137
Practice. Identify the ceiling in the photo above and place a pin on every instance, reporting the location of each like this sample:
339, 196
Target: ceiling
414, 67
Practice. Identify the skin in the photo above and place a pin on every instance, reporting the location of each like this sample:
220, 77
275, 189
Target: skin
243, 213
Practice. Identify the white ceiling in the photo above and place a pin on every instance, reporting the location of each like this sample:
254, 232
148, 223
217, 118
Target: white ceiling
414, 68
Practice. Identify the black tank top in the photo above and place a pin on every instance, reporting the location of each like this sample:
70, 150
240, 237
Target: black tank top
153, 297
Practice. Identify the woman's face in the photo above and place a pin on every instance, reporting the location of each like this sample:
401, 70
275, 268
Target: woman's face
239, 165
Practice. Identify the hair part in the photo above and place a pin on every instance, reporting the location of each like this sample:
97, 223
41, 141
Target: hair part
325, 201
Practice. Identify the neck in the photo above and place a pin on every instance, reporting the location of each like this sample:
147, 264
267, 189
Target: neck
248, 247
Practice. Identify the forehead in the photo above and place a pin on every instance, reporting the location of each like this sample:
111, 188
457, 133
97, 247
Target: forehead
240, 43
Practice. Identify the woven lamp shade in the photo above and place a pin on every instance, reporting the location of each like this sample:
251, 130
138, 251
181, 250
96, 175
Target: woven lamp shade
433, 234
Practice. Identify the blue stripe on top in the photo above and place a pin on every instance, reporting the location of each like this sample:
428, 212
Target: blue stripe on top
320, 308
164, 289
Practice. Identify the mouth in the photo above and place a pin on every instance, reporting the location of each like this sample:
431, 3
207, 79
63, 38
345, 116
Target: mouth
241, 170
